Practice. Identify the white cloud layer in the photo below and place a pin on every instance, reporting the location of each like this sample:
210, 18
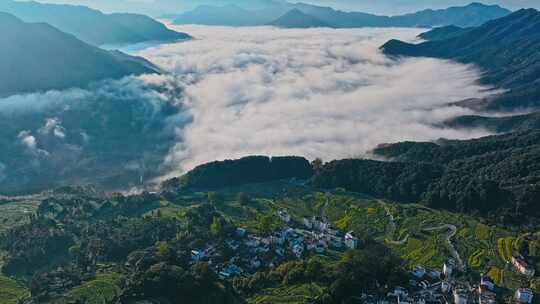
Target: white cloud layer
318, 93
233, 92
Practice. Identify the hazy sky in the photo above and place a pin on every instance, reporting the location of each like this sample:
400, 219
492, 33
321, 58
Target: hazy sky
157, 7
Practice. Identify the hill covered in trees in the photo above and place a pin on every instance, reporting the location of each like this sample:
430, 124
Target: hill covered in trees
503, 124
497, 176
251, 169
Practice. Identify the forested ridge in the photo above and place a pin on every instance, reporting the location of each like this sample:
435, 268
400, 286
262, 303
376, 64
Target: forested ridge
250, 169
497, 176
505, 49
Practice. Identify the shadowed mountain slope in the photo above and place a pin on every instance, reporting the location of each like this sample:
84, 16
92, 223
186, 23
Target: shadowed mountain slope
506, 49
92, 26
69, 61
297, 19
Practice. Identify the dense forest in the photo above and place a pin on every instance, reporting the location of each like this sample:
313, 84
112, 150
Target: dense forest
497, 124
251, 169
497, 176
400, 181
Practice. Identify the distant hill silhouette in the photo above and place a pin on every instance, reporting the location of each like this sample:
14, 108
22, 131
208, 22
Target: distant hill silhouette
474, 14
295, 18
464, 16
92, 26
37, 57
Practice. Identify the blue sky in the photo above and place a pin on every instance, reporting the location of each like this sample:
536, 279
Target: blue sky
390, 7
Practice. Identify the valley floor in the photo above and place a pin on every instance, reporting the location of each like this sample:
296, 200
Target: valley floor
421, 236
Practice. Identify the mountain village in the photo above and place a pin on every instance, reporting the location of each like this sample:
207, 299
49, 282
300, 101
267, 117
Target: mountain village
315, 235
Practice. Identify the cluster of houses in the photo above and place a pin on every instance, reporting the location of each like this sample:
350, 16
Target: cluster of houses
294, 241
440, 287
316, 235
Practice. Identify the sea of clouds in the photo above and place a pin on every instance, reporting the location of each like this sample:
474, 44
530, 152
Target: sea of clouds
313, 92
232, 92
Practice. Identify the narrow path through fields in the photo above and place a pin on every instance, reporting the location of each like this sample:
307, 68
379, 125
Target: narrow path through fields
392, 227
452, 230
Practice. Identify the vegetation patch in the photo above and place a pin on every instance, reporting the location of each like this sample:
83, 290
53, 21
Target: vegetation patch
482, 232
11, 292
505, 248
475, 260
103, 289
497, 275
298, 294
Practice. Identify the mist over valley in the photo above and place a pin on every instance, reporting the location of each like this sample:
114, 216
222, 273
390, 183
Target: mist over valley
232, 92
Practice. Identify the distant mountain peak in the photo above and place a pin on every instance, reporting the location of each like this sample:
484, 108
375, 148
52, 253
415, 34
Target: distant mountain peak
479, 4
295, 11
295, 18
70, 62
527, 11
473, 14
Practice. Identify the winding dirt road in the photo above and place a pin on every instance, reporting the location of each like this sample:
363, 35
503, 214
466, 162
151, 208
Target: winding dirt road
391, 233
452, 230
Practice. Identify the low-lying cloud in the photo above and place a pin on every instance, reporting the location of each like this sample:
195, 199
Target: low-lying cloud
318, 93
114, 134
228, 93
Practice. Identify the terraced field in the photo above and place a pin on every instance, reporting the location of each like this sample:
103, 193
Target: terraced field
15, 212
100, 290
11, 291
298, 294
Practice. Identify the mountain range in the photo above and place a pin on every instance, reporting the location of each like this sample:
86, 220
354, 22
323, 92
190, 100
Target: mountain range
92, 26
505, 49
69, 61
233, 15
295, 18
75, 136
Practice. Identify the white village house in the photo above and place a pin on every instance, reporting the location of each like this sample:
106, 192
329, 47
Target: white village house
524, 295
460, 296
447, 270
284, 215
351, 241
